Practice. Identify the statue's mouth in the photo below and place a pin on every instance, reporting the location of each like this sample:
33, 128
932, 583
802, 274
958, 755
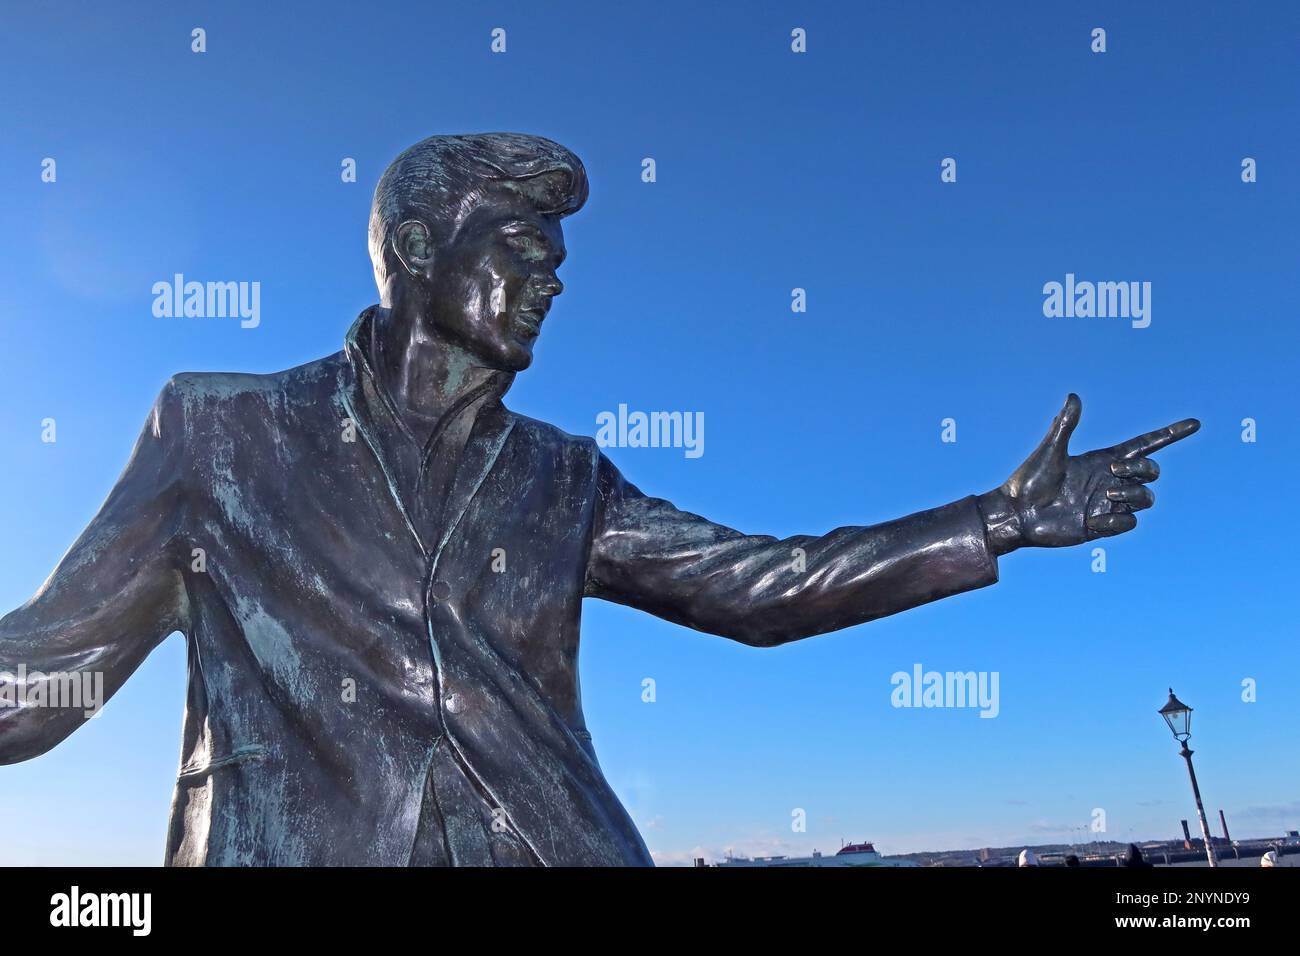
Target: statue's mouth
531, 319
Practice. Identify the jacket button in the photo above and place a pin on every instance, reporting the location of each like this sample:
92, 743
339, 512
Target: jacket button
454, 703
441, 590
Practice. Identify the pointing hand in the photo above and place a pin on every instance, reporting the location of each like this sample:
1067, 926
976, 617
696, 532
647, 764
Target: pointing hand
1057, 499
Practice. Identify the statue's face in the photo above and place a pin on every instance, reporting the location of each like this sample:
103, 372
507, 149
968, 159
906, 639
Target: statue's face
490, 289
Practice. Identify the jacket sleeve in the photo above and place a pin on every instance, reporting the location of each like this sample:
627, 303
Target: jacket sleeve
765, 591
112, 598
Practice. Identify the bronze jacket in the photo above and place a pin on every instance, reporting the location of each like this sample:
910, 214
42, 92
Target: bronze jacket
337, 644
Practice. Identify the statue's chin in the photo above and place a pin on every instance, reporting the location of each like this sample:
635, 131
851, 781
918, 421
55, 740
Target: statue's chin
524, 361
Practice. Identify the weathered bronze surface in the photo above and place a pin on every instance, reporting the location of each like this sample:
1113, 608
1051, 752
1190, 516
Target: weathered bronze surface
351, 511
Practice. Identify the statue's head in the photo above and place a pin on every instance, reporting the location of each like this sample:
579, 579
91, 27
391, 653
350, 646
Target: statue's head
465, 230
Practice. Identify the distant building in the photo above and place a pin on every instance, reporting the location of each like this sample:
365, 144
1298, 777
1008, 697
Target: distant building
855, 854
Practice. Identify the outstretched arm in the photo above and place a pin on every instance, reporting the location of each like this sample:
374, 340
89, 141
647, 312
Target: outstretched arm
113, 597
763, 591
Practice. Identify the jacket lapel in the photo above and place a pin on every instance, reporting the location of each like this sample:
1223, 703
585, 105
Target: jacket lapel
376, 420
380, 426
486, 440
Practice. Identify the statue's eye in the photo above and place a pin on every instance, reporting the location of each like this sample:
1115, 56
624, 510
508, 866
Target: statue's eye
526, 245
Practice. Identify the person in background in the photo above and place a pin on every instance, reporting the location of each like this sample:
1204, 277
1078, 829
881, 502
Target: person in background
1134, 859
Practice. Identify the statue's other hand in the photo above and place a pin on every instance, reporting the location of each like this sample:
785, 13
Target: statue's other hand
1057, 499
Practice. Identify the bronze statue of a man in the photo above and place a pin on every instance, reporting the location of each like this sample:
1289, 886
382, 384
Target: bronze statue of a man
366, 684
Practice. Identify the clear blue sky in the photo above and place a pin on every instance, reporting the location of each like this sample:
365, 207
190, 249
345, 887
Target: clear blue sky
775, 171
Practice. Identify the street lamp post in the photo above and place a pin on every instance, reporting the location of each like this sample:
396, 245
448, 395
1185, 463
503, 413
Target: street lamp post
1179, 718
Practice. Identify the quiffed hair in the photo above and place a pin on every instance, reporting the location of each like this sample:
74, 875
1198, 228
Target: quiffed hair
440, 179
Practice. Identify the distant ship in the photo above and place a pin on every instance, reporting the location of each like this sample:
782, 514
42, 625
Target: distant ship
854, 854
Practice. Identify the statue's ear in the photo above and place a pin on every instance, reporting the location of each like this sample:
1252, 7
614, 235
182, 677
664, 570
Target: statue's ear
413, 244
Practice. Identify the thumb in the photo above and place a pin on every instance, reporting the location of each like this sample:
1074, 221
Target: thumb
1058, 436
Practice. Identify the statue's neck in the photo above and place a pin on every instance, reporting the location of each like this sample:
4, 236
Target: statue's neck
425, 376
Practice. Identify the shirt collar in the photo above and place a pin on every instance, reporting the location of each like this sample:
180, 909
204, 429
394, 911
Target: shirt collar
402, 455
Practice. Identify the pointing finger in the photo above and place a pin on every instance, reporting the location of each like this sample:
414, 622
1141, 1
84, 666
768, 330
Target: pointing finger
1154, 441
